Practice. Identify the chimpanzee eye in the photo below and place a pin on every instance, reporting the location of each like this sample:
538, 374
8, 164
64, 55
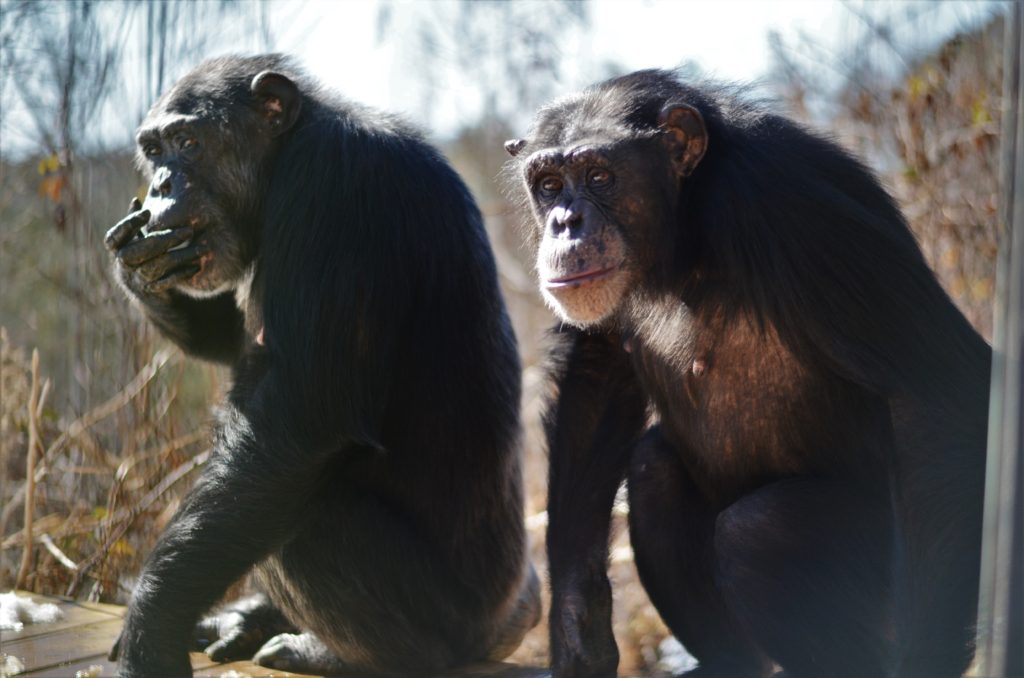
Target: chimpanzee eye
189, 142
551, 185
151, 149
599, 177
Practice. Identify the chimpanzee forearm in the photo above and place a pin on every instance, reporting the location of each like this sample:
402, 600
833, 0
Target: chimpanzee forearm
212, 540
211, 329
929, 644
208, 326
210, 543
598, 416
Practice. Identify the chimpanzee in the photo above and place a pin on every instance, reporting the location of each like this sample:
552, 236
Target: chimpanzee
366, 462
752, 338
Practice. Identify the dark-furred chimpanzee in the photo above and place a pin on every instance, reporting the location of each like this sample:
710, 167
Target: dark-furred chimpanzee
754, 340
367, 459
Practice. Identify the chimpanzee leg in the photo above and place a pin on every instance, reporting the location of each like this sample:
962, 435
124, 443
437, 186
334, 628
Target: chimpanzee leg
373, 593
804, 564
671, 528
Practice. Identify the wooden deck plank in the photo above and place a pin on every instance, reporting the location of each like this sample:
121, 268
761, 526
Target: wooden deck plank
74, 615
108, 669
86, 632
64, 601
50, 650
201, 665
246, 669
116, 610
497, 670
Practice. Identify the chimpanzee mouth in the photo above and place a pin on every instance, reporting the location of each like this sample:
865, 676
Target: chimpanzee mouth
579, 279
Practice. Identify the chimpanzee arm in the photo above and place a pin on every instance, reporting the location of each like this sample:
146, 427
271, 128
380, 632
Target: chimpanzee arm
939, 404
270, 448
881, 320
237, 512
149, 267
211, 329
936, 377
592, 427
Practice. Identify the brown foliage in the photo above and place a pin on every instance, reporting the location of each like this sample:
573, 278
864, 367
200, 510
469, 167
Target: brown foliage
941, 122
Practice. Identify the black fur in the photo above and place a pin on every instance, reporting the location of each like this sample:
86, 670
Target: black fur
812, 492
367, 459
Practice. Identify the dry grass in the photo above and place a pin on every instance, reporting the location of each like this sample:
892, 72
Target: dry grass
104, 481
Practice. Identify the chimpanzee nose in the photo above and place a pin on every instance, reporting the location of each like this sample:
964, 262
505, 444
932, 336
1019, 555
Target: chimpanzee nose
572, 218
566, 219
161, 184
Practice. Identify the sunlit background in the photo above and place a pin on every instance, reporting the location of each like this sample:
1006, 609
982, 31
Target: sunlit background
913, 87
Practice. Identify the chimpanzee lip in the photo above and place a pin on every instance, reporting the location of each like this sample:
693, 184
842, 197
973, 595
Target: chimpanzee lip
578, 279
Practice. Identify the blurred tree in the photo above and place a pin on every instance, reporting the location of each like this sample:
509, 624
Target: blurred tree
926, 115
75, 78
880, 42
86, 68
511, 52
73, 73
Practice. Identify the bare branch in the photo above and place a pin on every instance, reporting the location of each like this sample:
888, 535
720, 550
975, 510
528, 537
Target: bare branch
30, 472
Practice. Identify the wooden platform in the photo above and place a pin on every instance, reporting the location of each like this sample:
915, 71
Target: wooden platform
83, 637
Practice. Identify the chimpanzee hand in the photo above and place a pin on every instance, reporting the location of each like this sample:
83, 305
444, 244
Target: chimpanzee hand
137, 658
151, 264
582, 643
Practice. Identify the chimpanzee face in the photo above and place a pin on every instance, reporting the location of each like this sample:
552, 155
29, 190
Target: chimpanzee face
584, 262
191, 188
206, 160
600, 202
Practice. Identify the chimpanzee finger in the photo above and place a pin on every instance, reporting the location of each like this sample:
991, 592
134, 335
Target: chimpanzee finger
134, 206
166, 262
142, 250
115, 651
236, 643
126, 229
207, 631
172, 279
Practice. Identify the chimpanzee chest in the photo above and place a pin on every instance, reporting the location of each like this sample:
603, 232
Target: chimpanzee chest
739, 406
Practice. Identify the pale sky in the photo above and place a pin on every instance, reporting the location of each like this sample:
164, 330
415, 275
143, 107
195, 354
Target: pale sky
337, 41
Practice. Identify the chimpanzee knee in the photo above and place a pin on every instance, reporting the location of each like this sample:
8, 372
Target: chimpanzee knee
808, 582
656, 480
671, 526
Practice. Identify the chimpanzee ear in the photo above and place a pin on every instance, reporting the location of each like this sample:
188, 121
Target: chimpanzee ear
278, 99
513, 146
686, 136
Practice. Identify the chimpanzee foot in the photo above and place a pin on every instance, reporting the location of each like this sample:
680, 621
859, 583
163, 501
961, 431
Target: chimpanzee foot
301, 653
240, 629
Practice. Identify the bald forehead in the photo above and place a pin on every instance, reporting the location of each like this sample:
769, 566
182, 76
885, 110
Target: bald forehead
585, 152
164, 123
